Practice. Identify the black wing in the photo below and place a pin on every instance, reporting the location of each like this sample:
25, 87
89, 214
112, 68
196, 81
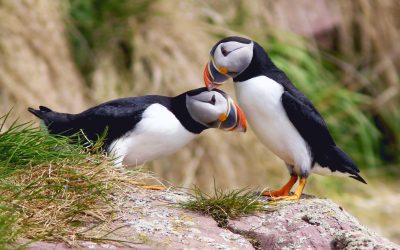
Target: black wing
280, 77
313, 129
117, 116
308, 122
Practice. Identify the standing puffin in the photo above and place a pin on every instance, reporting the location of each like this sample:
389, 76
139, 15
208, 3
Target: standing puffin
280, 115
144, 128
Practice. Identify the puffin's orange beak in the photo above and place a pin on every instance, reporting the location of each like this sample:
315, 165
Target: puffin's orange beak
208, 81
241, 121
234, 119
212, 76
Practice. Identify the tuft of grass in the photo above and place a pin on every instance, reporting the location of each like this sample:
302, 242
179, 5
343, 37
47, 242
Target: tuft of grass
51, 189
225, 205
23, 144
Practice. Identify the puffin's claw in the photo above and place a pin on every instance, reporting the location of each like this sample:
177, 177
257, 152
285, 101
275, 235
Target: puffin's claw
154, 187
292, 197
276, 193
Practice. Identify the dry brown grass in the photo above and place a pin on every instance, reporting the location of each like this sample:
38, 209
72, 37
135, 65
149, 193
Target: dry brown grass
369, 35
53, 190
67, 202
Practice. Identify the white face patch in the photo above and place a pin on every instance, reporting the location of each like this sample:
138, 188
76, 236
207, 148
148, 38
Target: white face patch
207, 107
237, 56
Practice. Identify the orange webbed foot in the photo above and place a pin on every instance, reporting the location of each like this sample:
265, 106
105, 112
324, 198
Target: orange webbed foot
297, 194
284, 191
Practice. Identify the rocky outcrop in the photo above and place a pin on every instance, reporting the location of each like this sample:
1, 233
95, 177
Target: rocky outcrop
310, 223
152, 220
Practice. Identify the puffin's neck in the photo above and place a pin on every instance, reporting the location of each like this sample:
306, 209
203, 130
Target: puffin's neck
178, 107
260, 64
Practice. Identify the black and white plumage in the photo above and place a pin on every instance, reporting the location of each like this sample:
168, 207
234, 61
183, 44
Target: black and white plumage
144, 128
281, 116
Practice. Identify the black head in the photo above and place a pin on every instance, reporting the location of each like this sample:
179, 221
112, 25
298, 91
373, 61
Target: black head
237, 39
199, 109
235, 57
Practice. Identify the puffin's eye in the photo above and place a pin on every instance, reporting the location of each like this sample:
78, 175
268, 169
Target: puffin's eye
224, 51
212, 101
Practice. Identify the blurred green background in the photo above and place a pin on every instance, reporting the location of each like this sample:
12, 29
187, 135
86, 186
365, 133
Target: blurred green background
344, 55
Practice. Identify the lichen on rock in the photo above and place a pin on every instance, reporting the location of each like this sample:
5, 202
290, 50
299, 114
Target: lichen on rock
152, 220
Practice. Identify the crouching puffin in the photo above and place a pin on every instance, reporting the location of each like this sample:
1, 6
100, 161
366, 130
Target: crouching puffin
281, 116
144, 128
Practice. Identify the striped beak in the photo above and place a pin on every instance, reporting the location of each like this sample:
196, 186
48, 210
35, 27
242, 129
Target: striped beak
214, 76
233, 119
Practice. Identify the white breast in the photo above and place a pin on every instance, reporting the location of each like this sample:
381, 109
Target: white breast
159, 133
260, 99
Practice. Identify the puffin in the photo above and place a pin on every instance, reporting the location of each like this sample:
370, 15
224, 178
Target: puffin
282, 117
144, 128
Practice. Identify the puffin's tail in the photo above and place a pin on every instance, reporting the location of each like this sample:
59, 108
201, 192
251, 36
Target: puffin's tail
56, 123
341, 162
41, 113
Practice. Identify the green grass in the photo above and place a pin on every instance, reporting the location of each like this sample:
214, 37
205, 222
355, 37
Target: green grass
50, 188
225, 205
24, 144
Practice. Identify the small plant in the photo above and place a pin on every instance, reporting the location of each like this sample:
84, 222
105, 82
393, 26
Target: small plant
225, 205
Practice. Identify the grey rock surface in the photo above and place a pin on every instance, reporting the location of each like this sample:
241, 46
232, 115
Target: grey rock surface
309, 223
151, 220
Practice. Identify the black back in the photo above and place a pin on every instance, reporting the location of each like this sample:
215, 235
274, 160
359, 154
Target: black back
117, 116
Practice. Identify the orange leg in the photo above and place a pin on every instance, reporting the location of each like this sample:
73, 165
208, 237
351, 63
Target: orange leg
284, 191
297, 193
